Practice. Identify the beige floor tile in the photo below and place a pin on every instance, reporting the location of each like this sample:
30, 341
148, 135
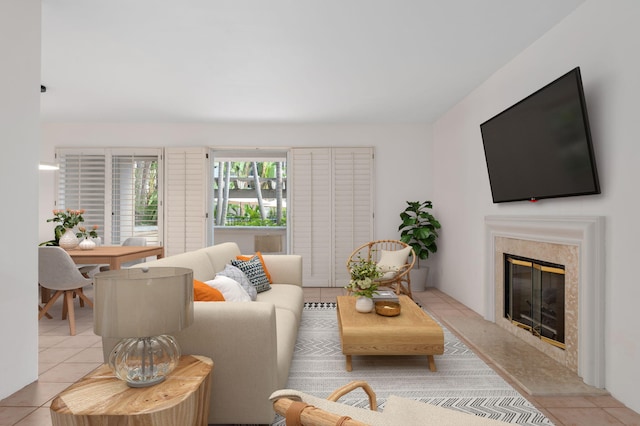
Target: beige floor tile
583, 417
627, 416
11, 415
68, 372
34, 395
88, 354
563, 402
40, 417
56, 354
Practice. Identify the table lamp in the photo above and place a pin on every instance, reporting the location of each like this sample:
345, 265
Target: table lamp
142, 306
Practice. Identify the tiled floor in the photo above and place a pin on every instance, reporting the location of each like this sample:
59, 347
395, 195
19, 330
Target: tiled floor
64, 359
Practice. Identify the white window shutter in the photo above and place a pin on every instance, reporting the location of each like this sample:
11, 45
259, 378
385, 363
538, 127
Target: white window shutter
332, 210
310, 198
82, 185
352, 205
186, 180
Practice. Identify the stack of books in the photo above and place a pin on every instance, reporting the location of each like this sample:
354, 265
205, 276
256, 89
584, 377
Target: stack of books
386, 296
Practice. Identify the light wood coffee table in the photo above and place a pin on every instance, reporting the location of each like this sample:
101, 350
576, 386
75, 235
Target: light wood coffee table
413, 332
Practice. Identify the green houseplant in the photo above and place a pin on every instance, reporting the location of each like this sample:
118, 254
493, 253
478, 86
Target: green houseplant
419, 229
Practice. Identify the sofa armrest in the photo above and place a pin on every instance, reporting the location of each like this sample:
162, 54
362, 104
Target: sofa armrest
284, 268
241, 339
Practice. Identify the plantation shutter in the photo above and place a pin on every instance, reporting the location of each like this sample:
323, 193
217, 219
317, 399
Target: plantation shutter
106, 184
82, 185
332, 210
186, 183
352, 205
310, 172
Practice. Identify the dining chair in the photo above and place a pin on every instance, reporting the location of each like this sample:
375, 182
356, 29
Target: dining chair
59, 273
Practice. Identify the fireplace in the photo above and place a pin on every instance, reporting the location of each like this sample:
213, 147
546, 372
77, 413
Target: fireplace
534, 297
576, 243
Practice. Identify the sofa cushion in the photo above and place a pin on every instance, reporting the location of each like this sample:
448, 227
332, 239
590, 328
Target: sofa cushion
230, 289
264, 265
286, 296
254, 270
198, 261
220, 254
205, 293
237, 275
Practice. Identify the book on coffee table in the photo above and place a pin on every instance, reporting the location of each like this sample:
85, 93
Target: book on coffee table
386, 296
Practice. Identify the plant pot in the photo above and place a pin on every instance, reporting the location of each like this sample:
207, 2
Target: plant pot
68, 240
364, 304
419, 278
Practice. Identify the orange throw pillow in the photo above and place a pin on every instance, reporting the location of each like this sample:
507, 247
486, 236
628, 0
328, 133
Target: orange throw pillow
205, 293
264, 266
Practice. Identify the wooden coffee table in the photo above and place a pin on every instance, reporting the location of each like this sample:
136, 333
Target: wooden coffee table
413, 332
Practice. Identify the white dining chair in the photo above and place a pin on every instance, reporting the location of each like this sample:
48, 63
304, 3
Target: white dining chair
59, 273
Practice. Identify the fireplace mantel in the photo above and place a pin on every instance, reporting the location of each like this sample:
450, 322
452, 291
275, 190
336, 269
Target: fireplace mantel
587, 234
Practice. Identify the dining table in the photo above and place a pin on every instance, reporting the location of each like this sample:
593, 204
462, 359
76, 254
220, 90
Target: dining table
114, 256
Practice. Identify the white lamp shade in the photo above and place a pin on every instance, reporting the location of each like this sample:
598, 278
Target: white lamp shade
142, 302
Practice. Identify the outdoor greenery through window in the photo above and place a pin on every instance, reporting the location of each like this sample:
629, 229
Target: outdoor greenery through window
135, 198
250, 193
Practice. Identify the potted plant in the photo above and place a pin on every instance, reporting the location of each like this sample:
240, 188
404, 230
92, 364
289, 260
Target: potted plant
419, 229
364, 273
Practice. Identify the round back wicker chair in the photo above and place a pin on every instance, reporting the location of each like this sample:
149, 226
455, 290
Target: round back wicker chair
399, 280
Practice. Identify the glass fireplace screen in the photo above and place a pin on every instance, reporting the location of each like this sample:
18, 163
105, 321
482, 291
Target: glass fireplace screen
534, 297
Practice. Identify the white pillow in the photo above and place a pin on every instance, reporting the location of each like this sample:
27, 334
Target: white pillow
230, 289
391, 261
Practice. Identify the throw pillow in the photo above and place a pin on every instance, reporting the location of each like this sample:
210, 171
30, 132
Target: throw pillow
264, 265
204, 293
239, 276
230, 289
253, 269
392, 260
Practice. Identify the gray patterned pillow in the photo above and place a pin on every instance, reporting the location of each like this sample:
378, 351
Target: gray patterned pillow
253, 269
236, 274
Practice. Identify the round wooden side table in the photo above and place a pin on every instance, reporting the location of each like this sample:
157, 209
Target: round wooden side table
102, 399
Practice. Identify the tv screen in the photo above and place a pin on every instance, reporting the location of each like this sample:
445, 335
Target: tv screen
541, 147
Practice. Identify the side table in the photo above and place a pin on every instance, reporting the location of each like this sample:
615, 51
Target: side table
102, 399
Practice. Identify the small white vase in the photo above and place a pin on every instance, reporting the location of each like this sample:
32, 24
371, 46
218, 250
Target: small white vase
68, 240
87, 244
364, 304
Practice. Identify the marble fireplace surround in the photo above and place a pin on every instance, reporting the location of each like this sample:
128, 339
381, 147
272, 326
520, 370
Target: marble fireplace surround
576, 242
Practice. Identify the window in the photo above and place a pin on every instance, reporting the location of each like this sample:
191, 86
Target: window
118, 189
249, 198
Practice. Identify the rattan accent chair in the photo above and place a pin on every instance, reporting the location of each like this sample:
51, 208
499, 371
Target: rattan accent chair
400, 281
304, 410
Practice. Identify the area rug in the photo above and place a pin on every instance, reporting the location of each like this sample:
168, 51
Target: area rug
462, 381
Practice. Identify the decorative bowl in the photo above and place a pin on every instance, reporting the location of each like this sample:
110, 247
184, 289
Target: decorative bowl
387, 309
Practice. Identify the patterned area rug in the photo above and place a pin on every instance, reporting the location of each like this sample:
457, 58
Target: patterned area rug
462, 381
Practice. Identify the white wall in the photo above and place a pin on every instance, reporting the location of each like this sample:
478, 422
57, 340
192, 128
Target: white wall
602, 38
402, 159
19, 135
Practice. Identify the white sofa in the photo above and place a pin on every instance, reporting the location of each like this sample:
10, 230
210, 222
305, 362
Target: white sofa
250, 343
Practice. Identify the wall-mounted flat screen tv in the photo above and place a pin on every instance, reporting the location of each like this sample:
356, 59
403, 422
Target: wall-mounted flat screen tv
541, 147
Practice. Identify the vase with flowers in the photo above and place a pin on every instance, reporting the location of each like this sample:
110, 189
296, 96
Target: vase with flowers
86, 237
66, 220
363, 284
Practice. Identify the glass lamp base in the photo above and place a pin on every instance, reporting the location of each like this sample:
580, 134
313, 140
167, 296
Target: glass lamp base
144, 361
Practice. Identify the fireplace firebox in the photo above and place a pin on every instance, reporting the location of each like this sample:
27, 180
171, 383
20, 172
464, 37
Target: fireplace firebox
534, 297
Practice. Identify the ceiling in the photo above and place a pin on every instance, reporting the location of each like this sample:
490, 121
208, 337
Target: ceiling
278, 61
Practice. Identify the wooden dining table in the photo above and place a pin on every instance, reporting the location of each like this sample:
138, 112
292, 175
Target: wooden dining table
114, 256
